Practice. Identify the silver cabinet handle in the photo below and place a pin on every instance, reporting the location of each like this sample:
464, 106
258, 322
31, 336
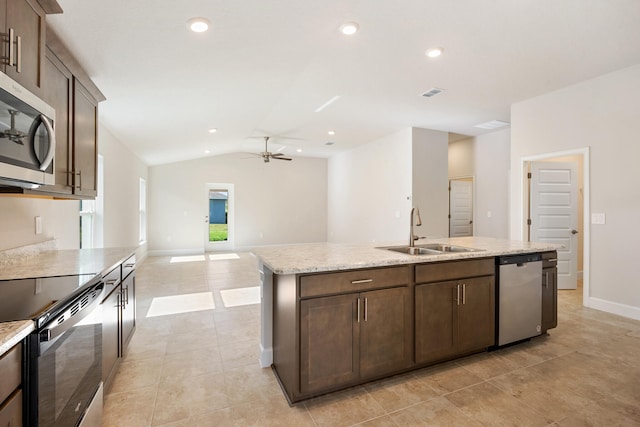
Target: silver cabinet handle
458, 294
464, 293
358, 315
366, 308
357, 282
19, 54
546, 279
79, 175
12, 51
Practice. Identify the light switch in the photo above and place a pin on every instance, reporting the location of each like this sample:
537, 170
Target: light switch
598, 218
38, 225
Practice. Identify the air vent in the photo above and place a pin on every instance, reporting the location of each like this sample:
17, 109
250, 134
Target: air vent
432, 92
328, 143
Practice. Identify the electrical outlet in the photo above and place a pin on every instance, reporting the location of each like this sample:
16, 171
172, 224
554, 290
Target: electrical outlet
598, 218
38, 286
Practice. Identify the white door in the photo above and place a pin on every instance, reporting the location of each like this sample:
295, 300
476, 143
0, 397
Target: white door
460, 207
554, 214
218, 218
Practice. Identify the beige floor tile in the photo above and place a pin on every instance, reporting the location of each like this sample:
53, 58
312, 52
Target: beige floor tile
399, 392
270, 411
130, 408
344, 408
180, 398
135, 374
447, 377
183, 341
219, 418
383, 421
493, 407
606, 412
192, 363
251, 382
239, 353
435, 412
487, 365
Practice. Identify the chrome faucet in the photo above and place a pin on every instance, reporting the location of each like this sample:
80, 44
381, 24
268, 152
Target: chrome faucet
412, 237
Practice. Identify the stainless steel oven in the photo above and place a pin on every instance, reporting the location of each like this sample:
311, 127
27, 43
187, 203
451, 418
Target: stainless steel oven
63, 373
27, 139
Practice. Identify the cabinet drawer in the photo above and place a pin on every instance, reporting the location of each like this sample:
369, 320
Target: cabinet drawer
549, 259
353, 281
11, 410
128, 266
451, 270
10, 371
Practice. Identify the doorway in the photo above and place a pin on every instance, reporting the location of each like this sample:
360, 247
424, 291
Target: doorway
577, 233
461, 207
219, 221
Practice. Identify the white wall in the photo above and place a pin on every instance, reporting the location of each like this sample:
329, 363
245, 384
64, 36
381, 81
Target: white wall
373, 187
486, 158
122, 173
275, 203
430, 181
602, 114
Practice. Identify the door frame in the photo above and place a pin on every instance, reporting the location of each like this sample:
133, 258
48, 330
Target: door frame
229, 245
586, 213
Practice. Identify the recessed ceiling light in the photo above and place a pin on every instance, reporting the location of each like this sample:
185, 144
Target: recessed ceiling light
213, 130
328, 143
493, 124
434, 52
198, 25
331, 132
299, 150
207, 151
349, 28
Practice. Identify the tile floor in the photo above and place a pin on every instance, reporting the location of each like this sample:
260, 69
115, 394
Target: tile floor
200, 369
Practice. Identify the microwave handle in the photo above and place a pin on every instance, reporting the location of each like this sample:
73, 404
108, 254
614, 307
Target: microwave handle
44, 164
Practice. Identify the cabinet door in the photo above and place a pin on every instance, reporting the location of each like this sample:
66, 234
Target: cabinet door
85, 141
476, 314
435, 313
128, 310
386, 335
329, 330
549, 298
58, 94
27, 19
110, 319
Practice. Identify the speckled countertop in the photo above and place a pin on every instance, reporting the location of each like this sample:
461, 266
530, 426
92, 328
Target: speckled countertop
318, 257
63, 263
11, 333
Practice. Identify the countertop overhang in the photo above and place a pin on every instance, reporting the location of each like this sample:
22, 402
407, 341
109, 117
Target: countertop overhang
321, 257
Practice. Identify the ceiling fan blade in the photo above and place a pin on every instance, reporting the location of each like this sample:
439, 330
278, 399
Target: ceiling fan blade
281, 158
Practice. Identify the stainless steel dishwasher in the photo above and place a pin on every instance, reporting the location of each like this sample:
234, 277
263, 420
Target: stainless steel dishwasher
519, 297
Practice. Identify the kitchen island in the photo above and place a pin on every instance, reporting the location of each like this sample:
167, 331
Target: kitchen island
336, 315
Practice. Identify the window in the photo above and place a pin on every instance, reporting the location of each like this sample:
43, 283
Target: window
143, 210
91, 215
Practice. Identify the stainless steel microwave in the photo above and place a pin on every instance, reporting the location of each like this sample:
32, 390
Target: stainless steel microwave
27, 139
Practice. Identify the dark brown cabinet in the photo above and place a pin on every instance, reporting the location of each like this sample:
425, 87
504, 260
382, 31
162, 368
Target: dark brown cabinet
85, 142
549, 290
22, 24
355, 336
10, 387
348, 327
454, 317
118, 316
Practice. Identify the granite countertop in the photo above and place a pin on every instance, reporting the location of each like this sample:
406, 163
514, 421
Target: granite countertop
11, 333
318, 257
63, 263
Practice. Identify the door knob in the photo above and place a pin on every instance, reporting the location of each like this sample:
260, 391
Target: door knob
574, 231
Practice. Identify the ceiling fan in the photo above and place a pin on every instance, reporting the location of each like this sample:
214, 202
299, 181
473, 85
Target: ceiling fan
267, 155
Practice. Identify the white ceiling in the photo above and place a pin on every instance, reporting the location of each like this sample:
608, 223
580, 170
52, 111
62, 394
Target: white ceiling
265, 66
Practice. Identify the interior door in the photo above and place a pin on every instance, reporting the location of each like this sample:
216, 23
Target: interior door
554, 214
460, 207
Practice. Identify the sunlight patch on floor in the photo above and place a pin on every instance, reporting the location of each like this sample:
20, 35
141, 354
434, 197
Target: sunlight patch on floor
240, 296
176, 304
216, 257
186, 258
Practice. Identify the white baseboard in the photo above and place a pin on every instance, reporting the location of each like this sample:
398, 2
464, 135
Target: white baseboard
614, 308
176, 252
266, 357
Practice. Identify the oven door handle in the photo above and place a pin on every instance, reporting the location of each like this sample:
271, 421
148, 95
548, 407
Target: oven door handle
72, 317
43, 164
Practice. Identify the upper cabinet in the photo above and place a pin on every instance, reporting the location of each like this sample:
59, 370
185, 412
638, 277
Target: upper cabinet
22, 24
69, 90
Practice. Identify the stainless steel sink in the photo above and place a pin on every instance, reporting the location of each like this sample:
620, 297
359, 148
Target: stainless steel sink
430, 249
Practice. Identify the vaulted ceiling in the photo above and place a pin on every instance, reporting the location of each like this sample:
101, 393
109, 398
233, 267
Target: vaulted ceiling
266, 66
